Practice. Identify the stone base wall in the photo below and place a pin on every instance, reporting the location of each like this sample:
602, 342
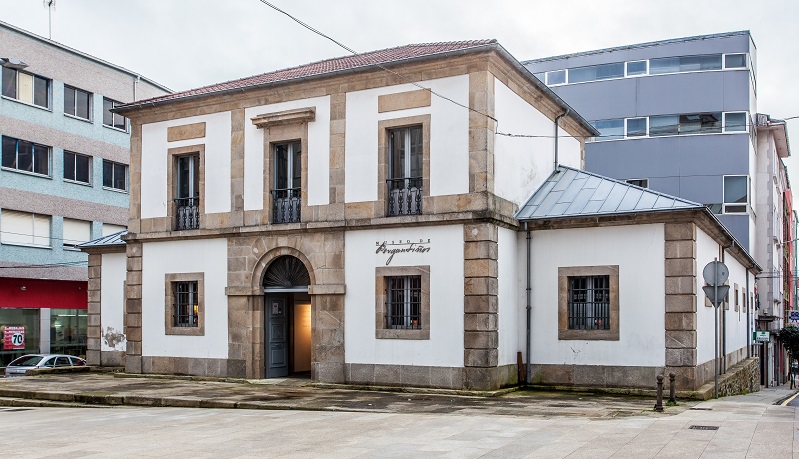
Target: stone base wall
740, 379
217, 368
112, 358
705, 371
436, 377
595, 375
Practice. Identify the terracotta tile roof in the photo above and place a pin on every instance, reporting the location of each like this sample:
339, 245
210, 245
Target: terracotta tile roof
383, 56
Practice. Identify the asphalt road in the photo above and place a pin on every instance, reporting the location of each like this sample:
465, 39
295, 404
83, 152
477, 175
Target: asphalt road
727, 429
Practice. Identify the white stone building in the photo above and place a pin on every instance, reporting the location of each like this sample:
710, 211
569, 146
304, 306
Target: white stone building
343, 220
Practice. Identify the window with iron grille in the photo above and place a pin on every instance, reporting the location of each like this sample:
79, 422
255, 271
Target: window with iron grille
187, 195
589, 302
404, 302
287, 189
405, 171
186, 304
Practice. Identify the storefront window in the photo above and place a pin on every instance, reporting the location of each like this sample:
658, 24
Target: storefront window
27, 318
68, 331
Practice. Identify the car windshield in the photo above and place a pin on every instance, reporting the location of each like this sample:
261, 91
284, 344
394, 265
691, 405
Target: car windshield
27, 361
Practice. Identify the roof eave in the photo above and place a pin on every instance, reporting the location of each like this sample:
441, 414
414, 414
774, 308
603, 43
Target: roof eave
127, 108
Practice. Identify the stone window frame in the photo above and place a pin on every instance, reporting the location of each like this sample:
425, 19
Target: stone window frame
381, 274
564, 333
383, 128
172, 183
170, 279
277, 135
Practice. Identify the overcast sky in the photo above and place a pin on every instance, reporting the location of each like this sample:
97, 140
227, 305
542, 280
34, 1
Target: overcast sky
189, 43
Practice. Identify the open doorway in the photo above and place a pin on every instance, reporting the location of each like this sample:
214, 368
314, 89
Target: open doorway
287, 319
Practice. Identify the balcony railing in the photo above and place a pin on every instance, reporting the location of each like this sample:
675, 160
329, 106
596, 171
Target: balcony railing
286, 205
187, 213
404, 196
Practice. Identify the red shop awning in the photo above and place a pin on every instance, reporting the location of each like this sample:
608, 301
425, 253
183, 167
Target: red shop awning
43, 293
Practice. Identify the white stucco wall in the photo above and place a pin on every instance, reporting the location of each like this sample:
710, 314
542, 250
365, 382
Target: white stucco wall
638, 250
706, 250
445, 346
449, 138
154, 158
112, 301
208, 256
509, 283
318, 152
522, 164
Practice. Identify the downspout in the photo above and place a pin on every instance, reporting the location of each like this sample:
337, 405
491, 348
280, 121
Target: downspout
748, 319
527, 370
557, 119
724, 316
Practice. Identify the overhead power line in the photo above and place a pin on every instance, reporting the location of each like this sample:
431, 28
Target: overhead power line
405, 78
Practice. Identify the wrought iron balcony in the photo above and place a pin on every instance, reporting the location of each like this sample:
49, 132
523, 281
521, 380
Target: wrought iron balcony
187, 213
286, 205
404, 196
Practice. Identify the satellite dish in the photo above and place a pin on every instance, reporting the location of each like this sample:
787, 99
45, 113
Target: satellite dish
716, 273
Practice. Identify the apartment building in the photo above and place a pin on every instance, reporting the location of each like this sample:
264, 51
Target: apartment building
64, 180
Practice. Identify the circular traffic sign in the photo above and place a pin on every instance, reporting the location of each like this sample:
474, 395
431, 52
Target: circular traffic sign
716, 273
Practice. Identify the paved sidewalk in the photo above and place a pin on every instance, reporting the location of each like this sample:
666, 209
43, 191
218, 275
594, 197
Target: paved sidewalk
106, 389
748, 426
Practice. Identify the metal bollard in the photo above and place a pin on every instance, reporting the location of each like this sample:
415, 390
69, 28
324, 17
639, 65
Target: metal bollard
672, 388
659, 403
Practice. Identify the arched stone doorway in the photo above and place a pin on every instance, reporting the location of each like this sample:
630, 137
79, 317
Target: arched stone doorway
287, 318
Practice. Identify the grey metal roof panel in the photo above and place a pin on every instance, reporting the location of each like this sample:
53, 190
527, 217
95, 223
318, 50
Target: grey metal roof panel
106, 241
571, 192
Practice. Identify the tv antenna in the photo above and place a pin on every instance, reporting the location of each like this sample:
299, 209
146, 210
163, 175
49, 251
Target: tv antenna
50, 4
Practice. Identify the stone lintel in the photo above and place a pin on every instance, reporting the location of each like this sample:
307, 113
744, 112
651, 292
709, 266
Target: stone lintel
297, 115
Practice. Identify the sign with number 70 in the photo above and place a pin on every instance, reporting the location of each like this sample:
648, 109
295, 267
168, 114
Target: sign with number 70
13, 338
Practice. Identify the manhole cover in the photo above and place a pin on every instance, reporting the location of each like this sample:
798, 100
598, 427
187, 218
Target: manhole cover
704, 427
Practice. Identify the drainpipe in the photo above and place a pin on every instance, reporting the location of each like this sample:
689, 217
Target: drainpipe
527, 371
748, 319
557, 118
724, 315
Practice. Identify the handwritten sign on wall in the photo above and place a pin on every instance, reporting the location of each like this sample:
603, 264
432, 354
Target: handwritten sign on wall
401, 246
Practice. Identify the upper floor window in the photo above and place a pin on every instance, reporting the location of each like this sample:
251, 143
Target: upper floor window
77, 167
556, 77
24, 228
77, 103
610, 129
405, 154
26, 87
187, 197
76, 232
656, 66
643, 183
596, 72
734, 61
736, 194
734, 122
637, 68
25, 156
684, 64
693, 123
115, 175
114, 120
287, 188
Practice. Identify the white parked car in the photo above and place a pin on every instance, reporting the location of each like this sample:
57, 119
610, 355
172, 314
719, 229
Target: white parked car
20, 366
